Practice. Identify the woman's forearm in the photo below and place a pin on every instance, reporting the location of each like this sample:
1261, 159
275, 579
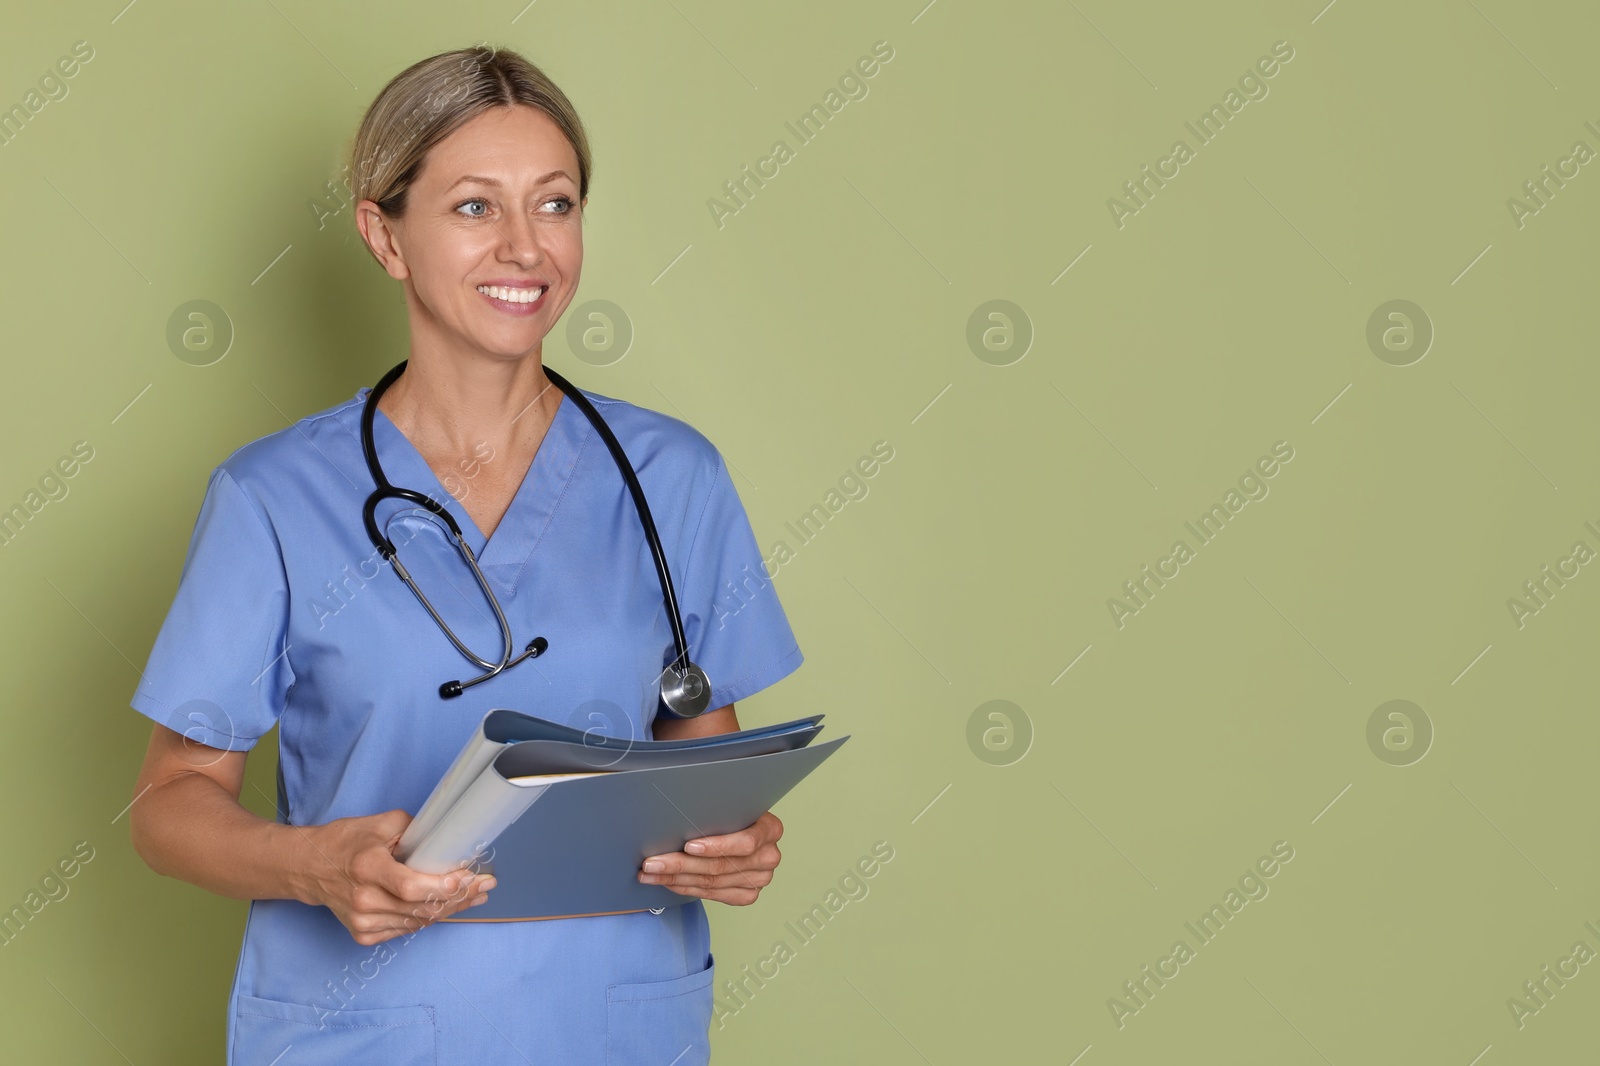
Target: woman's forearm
190, 828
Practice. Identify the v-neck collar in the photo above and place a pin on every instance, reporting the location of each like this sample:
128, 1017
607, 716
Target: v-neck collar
516, 537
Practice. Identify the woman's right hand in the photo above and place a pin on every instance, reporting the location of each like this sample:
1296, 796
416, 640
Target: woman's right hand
373, 894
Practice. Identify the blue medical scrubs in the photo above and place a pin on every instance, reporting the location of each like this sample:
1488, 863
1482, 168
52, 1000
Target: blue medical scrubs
286, 614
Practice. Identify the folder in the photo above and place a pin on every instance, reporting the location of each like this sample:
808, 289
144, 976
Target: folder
563, 818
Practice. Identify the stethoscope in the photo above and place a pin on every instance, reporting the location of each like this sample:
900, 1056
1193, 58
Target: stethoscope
685, 689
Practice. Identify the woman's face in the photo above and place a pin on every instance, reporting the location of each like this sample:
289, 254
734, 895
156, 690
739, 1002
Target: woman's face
495, 204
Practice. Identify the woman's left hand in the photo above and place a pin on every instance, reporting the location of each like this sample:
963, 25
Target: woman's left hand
732, 868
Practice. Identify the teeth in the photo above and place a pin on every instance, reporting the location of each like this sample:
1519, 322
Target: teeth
515, 296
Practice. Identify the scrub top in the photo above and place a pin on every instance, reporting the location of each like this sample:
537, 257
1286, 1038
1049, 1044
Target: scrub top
286, 614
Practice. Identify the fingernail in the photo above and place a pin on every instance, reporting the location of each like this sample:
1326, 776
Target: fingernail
486, 884
695, 847
654, 867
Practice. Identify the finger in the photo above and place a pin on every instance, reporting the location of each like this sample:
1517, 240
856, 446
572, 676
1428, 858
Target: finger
466, 903
680, 863
737, 897
374, 928
376, 932
764, 830
743, 842
471, 887
415, 886
374, 908
411, 916
766, 857
378, 910
749, 878
732, 845
372, 901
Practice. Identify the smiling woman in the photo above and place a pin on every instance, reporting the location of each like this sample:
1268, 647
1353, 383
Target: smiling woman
471, 171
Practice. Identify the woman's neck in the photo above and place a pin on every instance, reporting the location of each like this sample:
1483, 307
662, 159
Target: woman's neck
450, 406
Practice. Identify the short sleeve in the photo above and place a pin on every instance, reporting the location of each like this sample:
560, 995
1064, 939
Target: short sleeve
218, 672
736, 628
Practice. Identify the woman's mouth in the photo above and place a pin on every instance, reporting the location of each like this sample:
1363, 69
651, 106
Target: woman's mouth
514, 301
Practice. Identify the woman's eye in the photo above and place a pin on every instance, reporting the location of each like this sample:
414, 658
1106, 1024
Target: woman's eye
565, 206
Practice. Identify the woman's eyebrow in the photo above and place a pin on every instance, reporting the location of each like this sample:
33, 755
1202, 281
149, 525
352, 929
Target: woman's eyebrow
495, 182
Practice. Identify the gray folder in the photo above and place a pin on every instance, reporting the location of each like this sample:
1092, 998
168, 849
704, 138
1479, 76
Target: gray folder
577, 848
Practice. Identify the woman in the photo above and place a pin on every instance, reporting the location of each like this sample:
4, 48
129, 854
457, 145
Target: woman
471, 170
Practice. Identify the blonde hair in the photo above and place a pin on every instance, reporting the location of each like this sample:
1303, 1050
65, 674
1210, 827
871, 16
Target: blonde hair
429, 100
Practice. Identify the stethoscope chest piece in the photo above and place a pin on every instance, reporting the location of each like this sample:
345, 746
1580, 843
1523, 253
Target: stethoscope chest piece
685, 693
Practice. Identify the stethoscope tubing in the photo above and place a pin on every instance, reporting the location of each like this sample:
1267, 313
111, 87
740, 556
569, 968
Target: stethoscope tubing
681, 665
669, 595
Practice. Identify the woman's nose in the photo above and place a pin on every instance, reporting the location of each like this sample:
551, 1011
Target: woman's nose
521, 235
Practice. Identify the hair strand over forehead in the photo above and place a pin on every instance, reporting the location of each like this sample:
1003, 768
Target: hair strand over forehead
431, 99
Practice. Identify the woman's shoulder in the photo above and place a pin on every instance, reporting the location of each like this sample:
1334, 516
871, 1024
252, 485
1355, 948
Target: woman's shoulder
321, 437
651, 436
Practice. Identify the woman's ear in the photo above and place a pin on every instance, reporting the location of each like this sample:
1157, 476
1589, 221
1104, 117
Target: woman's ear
382, 240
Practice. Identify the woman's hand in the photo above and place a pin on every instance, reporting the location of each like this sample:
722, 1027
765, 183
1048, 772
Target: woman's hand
733, 868
374, 895
186, 821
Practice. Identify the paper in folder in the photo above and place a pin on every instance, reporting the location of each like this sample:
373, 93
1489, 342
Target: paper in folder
563, 817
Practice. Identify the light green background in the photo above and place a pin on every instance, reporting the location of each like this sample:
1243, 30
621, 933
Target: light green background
1228, 314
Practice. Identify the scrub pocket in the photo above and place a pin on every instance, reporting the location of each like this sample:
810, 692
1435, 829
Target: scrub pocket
661, 1021
392, 1036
